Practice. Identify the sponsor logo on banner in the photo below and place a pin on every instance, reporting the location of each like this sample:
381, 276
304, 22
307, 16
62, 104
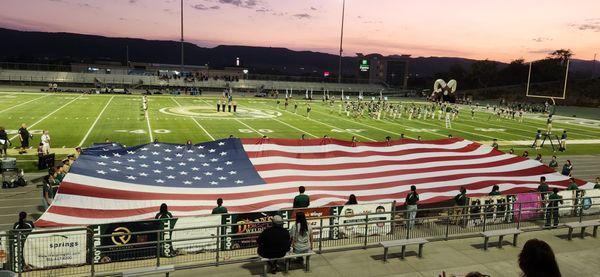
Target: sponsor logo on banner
120, 244
245, 225
313, 218
55, 249
197, 239
356, 215
529, 205
590, 200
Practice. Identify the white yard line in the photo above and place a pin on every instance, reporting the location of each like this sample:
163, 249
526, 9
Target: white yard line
48, 115
95, 121
334, 127
197, 123
290, 125
294, 127
149, 128
365, 125
24, 103
248, 126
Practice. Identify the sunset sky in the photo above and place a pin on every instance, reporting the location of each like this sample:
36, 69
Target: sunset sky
496, 29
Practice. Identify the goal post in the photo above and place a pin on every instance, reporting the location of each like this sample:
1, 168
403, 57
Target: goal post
564, 88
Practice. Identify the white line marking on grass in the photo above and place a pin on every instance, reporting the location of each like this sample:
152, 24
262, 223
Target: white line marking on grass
197, 123
48, 115
95, 121
291, 126
248, 126
331, 126
368, 126
149, 128
24, 103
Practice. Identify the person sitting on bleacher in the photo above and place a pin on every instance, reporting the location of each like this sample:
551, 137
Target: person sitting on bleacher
301, 234
274, 242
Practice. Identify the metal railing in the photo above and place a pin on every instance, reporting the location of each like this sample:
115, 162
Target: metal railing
36, 253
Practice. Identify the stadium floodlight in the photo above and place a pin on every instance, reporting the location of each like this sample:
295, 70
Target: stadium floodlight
341, 42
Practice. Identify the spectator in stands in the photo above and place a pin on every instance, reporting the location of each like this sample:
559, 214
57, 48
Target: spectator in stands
45, 139
537, 259
572, 184
495, 144
352, 200
411, 205
24, 137
274, 242
597, 185
567, 168
553, 163
301, 200
552, 208
163, 212
219, 209
301, 235
495, 191
4, 143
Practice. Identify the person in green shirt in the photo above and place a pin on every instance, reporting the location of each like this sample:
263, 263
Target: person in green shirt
164, 212
543, 187
219, 209
597, 185
495, 191
301, 200
572, 185
495, 144
553, 163
552, 209
567, 168
411, 205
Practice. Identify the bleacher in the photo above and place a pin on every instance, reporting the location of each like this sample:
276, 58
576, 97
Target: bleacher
89, 79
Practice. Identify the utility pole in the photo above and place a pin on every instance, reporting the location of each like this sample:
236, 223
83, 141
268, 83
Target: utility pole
594, 67
341, 42
181, 36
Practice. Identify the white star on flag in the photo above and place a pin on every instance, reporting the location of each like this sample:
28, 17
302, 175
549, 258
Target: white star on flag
170, 177
101, 172
159, 181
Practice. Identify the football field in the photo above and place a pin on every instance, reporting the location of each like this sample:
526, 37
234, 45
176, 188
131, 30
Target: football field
80, 120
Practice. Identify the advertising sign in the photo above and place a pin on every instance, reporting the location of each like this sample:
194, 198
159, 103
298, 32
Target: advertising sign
245, 225
121, 245
313, 218
355, 217
196, 238
55, 249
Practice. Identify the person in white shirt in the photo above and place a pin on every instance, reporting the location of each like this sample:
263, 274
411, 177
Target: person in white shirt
46, 143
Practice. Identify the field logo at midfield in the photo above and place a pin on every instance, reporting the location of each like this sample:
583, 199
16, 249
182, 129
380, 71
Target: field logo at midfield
204, 111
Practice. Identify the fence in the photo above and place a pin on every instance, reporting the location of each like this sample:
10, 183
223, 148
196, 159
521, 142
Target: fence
220, 239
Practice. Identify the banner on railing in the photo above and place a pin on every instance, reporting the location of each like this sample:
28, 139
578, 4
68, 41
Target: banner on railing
567, 208
46, 250
197, 238
121, 237
312, 217
493, 209
239, 235
356, 214
529, 205
3, 249
590, 201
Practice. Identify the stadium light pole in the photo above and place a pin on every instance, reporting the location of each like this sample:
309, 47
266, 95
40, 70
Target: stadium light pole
181, 37
341, 42
594, 67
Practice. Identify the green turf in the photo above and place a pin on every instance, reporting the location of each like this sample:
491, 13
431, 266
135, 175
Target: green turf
75, 120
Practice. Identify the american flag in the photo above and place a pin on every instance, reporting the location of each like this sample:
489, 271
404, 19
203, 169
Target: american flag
113, 183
